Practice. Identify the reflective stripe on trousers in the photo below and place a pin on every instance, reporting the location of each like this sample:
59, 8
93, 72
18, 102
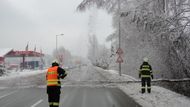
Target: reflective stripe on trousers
145, 76
145, 87
54, 104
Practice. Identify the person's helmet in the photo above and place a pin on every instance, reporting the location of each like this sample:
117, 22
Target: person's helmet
145, 59
55, 63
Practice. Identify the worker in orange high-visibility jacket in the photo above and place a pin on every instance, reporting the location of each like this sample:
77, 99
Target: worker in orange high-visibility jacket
53, 76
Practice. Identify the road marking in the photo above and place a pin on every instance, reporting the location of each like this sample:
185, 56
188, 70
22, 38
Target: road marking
38, 102
63, 100
84, 99
7, 94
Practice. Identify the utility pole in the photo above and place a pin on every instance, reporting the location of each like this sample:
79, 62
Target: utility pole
119, 23
120, 51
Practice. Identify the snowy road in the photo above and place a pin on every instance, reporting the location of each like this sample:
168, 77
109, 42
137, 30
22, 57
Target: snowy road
70, 97
24, 91
86, 86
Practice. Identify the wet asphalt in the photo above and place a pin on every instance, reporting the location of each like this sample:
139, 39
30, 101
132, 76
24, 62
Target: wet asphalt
70, 97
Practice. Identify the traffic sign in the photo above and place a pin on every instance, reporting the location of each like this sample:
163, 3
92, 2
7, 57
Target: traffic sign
119, 59
119, 51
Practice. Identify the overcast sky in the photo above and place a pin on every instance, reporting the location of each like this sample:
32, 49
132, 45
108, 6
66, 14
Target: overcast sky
38, 21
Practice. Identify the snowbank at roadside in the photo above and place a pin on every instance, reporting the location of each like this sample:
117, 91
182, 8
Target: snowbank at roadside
159, 97
24, 73
123, 77
113, 75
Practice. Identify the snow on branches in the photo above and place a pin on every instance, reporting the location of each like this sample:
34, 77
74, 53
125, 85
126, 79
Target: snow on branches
159, 29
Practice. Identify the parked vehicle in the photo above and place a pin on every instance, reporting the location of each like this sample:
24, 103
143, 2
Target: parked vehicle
2, 70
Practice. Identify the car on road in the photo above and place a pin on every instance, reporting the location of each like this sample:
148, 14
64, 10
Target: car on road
2, 70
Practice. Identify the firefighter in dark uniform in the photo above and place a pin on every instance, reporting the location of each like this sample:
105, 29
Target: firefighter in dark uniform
53, 76
145, 74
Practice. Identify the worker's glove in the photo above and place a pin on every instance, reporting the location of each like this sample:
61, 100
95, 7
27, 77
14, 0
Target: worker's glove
63, 76
152, 77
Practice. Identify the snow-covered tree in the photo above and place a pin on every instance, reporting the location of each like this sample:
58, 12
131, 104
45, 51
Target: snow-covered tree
166, 23
63, 56
98, 54
93, 49
158, 29
103, 57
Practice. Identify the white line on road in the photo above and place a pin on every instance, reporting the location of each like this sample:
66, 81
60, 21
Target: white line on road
63, 100
7, 94
38, 102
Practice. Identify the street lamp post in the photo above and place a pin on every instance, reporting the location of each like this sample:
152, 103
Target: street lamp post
56, 40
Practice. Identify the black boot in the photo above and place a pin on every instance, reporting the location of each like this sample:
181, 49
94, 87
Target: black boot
50, 104
149, 90
143, 91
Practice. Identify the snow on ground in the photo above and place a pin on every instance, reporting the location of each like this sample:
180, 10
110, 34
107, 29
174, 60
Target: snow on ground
159, 97
82, 74
123, 77
21, 79
15, 74
113, 75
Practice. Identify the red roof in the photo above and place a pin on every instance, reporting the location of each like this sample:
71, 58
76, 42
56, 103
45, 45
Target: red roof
5, 51
26, 53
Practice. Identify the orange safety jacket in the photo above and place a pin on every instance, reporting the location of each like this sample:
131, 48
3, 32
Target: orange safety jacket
52, 77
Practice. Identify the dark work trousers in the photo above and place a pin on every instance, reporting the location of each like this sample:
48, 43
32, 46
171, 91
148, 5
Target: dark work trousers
53, 100
53, 95
146, 81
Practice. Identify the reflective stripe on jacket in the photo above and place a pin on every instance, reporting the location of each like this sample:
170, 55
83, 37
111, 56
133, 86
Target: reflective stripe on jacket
145, 70
52, 76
